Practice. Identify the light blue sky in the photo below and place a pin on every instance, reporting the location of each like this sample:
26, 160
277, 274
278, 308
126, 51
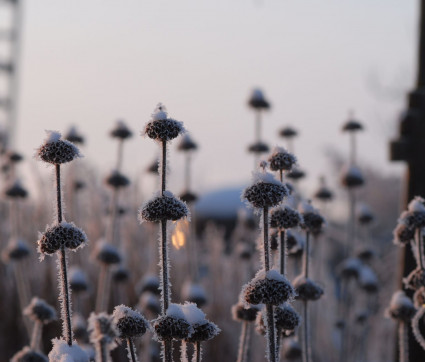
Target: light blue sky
90, 62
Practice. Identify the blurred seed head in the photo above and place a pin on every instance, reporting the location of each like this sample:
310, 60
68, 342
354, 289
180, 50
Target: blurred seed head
257, 100
120, 274
121, 131
242, 313
187, 144
150, 283
295, 174
401, 307
288, 132
307, 289
107, 253
259, 147
350, 268
74, 136
352, 125
16, 190
165, 207
286, 317
77, 280
415, 279
323, 193
39, 310
117, 180
188, 197
291, 349
352, 177
403, 234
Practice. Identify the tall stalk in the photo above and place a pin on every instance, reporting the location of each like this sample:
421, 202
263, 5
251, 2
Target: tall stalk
306, 339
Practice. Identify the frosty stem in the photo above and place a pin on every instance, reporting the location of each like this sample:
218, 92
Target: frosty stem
198, 352
403, 345
242, 342
266, 238
36, 335
103, 291
306, 254
282, 252
419, 245
306, 340
130, 346
65, 293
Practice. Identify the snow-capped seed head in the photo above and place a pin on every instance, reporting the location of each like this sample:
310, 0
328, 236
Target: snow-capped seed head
74, 136
102, 328
323, 193
352, 177
77, 280
187, 144
368, 280
268, 288
16, 191
401, 307
79, 327
148, 302
242, 313
295, 174
173, 325
121, 131
416, 204
364, 214
165, 207
203, 332
415, 279
39, 310
150, 283
281, 160
62, 352
161, 127
307, 289
16, 249
291, 349
188, 197
352, 126
56, 151
120, 274
288, 132
194, 293
350, 268
129, 323
366, 254
265, 191
313, 222
257, 100
63, 234
286, 317
107, 253
28, 355
259, 147
117, 180
285, 218
403, 234
413, 219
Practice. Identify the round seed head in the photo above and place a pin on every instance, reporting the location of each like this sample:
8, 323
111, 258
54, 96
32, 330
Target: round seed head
173, 325
39, 310
28, 355
187, 144
352, 177
129, 323
188, 197
153, 167
63, 234
74, 136
285, 218
366, 254
203, 332
281, 160
148, 302
161, 127
413, 219
107, 253
120, 274
352, 126
286, 317
403, 234
16, 191
257, 100
16, 249
165, 207
117, 180
14, 157
102, 329
295, 174
288, 132
259, 147
79, 185
364, 214
241, 313
350, 268
401, 307
194, 293
415, 279
150, 283
307, 289
291, 349
57, 151
323, 193
77, 280
268, 288
121, 131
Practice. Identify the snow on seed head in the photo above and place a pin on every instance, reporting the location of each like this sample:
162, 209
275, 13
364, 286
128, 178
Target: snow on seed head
56, 151
16, 249
39, 310
285, 218
286, 317
281, 160
307, 289
107, 253
401, 307
62, 352
172, 325
129, 323
165, 207
77, 280
162, 128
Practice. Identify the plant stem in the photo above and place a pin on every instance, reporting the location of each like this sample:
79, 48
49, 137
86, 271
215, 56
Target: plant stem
163, 167
271, 338
266, 238
65, 295
103, 291
58, 193
242, 342
403, 344
130, 346
282, 252
36, 335
306, 254
419, 245
306, 340
198, 353
183, 352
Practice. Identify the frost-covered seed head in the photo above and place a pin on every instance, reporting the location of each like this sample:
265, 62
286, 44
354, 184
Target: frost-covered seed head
78, 280
281, 160
74, 136
413, 219
170, 327
350, 268
365, 214
291, 349
257, 100
194, 293
259, 147
121, 131
166, 207
352, 126
129, 323
161, 127
323, 193
153, 167
107, 253
120, 274
188, 197
241, 313
187, 144
57, 151
266, 191
288, 132
285, 218
401, 307
63, 234
102, 328
307, 289
403, 234
150, 283
352, 177
271, 288
286, 317
148, 302
39, 310
117, 180
28, 355
16, 190
415, 279
16, 249
366, 254
203, 332
295, 174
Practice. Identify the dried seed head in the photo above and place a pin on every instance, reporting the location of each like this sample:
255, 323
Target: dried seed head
102, 329
187, 144
148, 302
323, 193
307, 289
281, 160
14, 157
291, 349
150, 283
350, 268
16, 249
285, 218
203, 329
120, 274
415, 279
352, 126
77, 280
257, 100
242, 313
107, 253
413, 219
57, 151
39, 310
129, 323
16, 190
265, 191
401, 307
165, 207
173, 325
259, 147
188, 197
352, 177
268, 288
28, 355
63, 234
366, 254
117, 180
403, 234
194, 293
368, 280
288, 132
161, 127
313, 222
153, 167
121, 131
364, 214
74, 136
286, 317
295, 174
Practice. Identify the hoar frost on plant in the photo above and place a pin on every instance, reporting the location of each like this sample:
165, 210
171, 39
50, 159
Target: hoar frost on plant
62, 352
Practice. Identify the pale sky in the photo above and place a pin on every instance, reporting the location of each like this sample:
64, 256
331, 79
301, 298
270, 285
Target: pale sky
89, 62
